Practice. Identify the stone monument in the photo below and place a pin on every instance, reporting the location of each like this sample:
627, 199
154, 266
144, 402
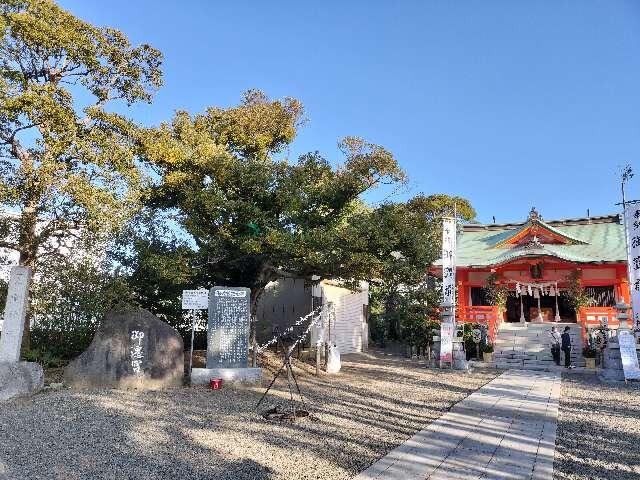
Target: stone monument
130, 350
16, 377
617, 356
228, 337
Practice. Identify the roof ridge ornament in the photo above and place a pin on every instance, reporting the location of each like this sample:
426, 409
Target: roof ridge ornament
534, 215
534, 242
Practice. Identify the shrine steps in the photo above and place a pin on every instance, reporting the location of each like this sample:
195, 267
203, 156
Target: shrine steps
526, 346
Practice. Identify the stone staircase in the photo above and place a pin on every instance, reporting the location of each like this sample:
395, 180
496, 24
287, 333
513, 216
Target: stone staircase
527, 346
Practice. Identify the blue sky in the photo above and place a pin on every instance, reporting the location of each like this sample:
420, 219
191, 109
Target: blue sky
509, 104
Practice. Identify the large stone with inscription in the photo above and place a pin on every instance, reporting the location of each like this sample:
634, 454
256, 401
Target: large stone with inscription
130, 350
228, 327
228, 337
17, 378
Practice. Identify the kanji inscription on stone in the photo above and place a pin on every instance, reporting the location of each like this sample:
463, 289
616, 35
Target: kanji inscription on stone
228, 327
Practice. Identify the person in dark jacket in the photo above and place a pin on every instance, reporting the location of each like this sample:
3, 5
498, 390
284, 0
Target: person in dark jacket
566, 347
554, 340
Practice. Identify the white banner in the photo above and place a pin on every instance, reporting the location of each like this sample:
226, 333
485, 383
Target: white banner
632, 226
448, 287
449, 261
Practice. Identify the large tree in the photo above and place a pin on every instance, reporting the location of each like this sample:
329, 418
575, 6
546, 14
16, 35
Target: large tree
396, 244
255, 217
67, 163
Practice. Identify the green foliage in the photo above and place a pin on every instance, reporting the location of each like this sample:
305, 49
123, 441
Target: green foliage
467, 335
44, 357
254, 218
69, 299
396, 244
575, 293
496, 293
157, 266
589, 352
408, 314
71, 163
487, 348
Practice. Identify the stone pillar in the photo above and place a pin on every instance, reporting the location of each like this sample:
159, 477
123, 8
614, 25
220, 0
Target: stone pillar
458, 357
16, 377
622, 315
15, 313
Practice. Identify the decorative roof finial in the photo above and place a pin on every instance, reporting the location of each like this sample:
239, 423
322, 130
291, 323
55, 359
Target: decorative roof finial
534, 215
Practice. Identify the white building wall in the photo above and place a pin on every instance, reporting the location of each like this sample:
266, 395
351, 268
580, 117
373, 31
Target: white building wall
348, 331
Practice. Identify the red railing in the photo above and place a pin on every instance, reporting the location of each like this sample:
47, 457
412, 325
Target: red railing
489, 316
591, 317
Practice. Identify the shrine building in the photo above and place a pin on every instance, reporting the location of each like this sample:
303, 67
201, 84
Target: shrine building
537, 262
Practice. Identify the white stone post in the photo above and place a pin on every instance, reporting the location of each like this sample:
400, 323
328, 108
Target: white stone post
15, 313
17, 378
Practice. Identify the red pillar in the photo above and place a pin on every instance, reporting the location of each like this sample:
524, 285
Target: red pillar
463, 287
622, 285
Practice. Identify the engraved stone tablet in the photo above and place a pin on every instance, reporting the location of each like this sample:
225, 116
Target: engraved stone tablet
228, 328
628, 355
14, 314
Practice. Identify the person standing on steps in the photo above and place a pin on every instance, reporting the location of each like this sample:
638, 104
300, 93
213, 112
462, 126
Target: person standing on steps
566, 347
555, 345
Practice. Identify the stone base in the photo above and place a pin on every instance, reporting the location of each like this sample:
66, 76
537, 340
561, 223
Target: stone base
201, 376
459, 355
611, 375
612, 363
19, 379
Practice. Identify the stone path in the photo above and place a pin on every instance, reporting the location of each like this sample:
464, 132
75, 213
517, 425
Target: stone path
506, 430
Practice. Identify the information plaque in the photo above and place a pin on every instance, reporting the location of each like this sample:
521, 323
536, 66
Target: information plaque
628, 355
228, 327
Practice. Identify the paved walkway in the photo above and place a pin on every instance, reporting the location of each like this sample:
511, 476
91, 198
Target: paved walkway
506, 430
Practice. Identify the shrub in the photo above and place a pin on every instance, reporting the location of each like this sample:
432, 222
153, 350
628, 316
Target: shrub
44, 358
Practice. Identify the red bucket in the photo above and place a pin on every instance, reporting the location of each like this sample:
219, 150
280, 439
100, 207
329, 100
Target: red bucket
215, 383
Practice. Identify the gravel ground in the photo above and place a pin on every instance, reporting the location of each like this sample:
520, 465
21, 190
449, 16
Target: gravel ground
598, 430
376, 403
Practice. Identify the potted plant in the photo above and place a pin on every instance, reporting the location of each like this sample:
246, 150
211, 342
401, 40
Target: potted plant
589, 353
487, 353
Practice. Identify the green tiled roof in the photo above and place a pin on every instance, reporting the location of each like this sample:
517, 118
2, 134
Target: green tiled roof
597, 240
567, 236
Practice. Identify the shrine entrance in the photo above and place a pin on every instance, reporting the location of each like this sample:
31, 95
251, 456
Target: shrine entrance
530, 308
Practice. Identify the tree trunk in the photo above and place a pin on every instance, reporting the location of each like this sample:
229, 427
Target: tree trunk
256, 293
263, 277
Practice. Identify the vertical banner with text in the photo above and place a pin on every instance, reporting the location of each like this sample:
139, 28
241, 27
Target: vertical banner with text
448, 287
632, 227
449, 261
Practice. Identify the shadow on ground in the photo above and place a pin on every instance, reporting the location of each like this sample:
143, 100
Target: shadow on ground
375, 404
598, 430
